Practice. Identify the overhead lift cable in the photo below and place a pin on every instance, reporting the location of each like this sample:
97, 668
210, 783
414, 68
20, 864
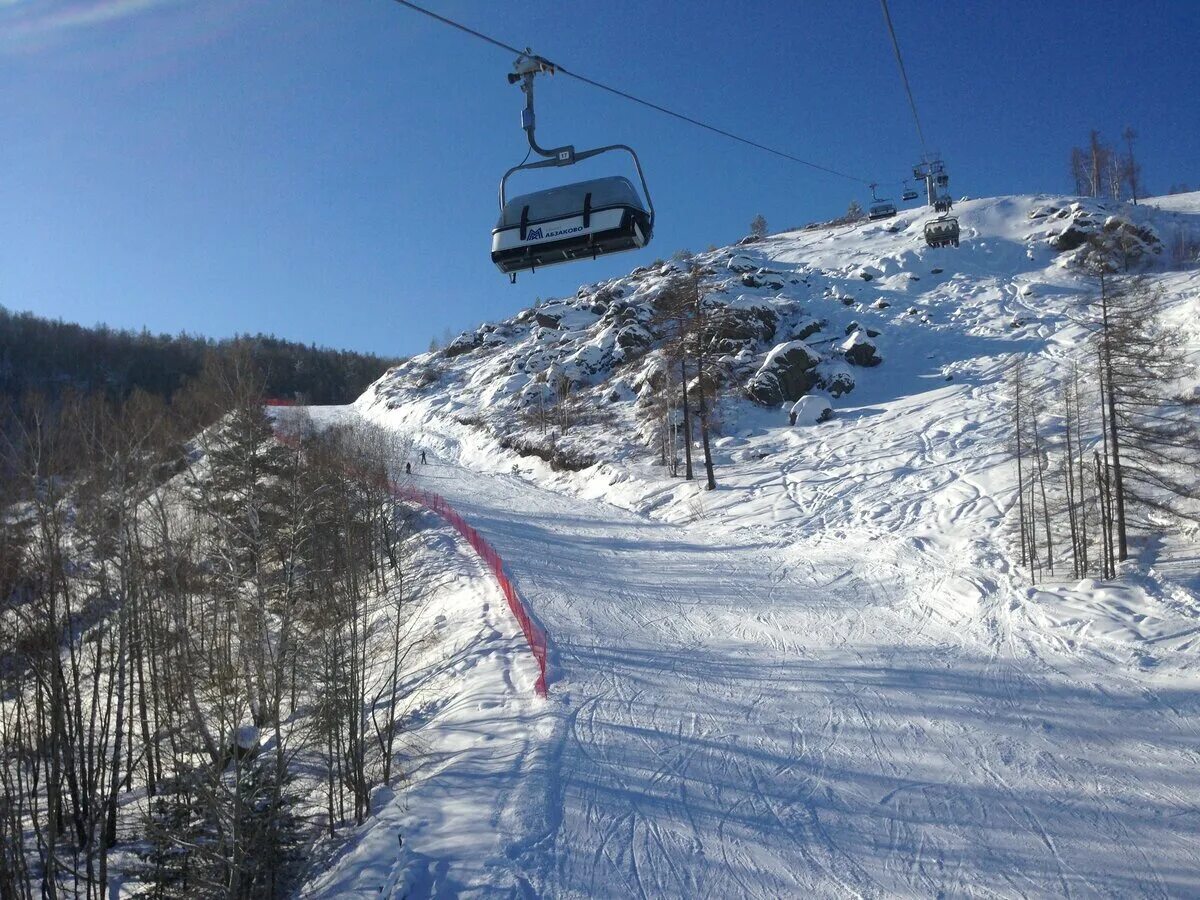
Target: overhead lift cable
627, 96
904, 76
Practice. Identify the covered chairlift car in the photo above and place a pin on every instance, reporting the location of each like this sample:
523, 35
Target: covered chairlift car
909, 193
574, 221
942, 232
881, 209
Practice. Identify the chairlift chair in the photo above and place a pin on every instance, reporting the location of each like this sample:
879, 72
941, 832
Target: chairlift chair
942, 232
574, 221
881, 209
909, 194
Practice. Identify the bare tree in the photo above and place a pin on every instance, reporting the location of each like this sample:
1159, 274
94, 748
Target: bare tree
1018, 403
1079, 172
1131, 168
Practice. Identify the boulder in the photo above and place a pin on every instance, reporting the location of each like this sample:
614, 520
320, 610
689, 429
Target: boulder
741, 263
535, 394
808, 329
860, 350
836, 383
1132, 241
1070, 238
633, 337
785, 375
546, 320
1123, 242
464, 343
811, 410
737, 326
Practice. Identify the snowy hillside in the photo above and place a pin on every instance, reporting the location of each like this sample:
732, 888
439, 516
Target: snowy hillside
905, 343
829, 676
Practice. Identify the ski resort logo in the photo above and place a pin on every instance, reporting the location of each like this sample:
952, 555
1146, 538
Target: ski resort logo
536, 234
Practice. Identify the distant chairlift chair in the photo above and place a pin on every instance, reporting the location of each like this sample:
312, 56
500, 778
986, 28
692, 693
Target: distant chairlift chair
574, 221
881, 209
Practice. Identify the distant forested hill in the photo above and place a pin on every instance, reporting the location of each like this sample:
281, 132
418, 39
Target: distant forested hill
50, 356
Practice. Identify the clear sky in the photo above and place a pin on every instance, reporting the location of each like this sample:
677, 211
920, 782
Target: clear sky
326, 169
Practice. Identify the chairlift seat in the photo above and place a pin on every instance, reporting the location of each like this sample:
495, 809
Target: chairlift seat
574, 221
909, 195
942, 232
882, 210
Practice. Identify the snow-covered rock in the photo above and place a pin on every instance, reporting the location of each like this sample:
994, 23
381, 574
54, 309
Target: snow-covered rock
860, 350
785, 374
811, 410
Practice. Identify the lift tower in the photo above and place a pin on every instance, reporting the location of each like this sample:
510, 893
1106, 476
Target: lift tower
932, 171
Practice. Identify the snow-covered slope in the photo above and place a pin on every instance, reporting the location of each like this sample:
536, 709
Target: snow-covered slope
916, 439
827, 677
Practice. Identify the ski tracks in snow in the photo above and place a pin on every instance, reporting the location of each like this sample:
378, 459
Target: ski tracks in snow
732, 715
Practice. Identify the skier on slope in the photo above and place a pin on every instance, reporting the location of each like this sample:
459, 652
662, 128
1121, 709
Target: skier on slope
423, 459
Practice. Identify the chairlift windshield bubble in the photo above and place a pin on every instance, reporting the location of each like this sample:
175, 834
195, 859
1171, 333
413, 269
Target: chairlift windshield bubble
574, 221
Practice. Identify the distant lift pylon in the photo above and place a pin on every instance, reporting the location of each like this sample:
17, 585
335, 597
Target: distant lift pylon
942, 231
575, 221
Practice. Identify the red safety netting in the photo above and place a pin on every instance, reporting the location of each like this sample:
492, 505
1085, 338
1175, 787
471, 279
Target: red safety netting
535, 637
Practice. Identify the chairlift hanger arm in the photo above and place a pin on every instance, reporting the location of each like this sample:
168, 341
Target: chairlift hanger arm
524, 69
527, 66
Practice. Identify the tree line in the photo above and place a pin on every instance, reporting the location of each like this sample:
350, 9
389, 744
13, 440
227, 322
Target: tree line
205, 637
1100, 169
1110, 446
54, 356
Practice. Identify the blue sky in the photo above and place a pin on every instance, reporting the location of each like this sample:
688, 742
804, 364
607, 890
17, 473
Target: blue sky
326, 169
